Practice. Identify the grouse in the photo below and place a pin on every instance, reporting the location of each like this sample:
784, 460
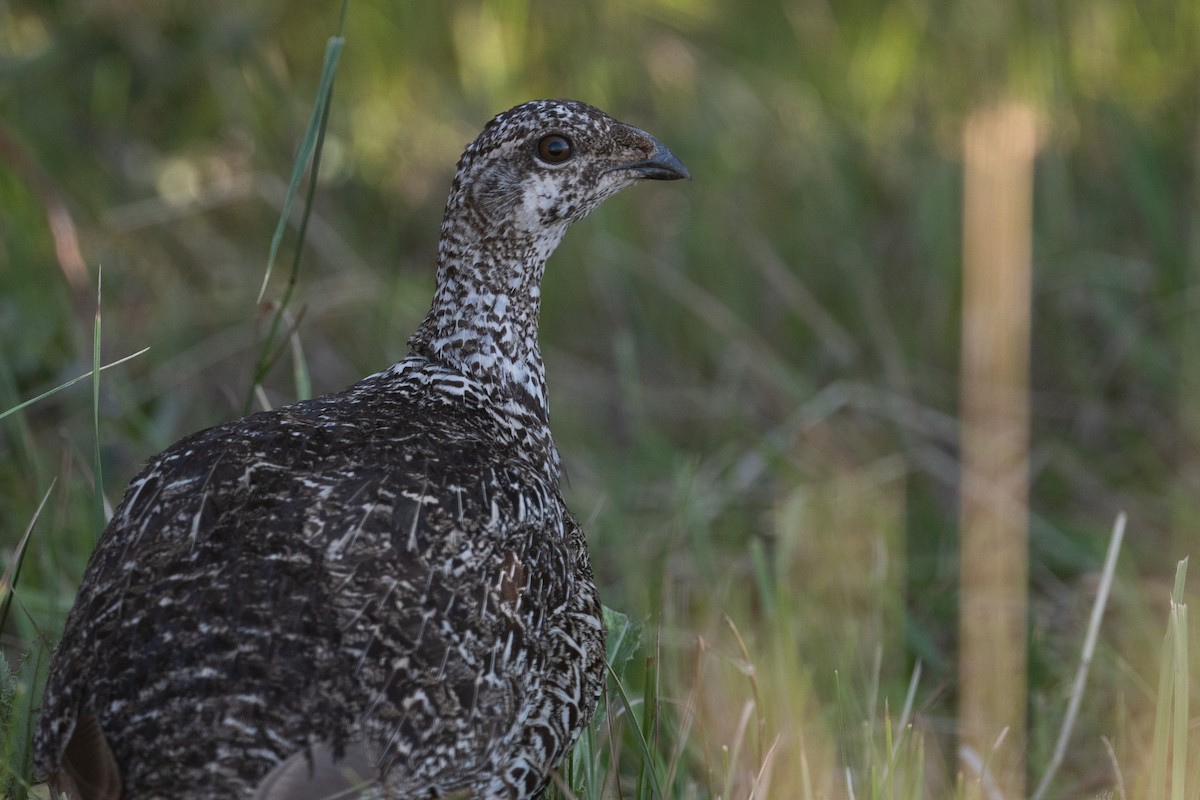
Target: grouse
378, 592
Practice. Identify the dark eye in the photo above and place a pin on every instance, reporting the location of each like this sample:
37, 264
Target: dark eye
554, 149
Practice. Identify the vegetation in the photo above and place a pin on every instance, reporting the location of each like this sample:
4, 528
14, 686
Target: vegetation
754, 377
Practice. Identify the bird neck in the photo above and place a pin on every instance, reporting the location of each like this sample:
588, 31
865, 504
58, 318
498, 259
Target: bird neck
484, 318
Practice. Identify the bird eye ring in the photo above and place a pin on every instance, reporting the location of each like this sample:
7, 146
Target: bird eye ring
554, 149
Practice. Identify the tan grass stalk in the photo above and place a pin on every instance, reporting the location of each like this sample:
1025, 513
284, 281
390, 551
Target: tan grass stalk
999, 146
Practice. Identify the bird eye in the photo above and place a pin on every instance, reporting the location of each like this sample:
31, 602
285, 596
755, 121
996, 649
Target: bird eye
554, 149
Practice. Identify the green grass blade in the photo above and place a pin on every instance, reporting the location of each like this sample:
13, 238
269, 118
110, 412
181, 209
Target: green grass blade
309, 151
301, 379
68, 384
639, 736
97, 467
333, 51
650, 713
8, 581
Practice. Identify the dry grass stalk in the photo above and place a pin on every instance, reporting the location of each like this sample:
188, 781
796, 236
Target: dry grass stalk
999, 145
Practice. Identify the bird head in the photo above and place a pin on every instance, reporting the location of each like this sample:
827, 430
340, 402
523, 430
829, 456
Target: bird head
530, 173
544, 164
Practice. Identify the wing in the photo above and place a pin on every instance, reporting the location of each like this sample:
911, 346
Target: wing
252, 598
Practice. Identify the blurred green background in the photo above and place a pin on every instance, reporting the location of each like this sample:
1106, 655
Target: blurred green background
747, 372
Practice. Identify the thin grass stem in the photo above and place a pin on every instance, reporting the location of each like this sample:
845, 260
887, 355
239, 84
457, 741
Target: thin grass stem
639, 736
309, 152
70, 383
97, 466
1085, 659
8, 581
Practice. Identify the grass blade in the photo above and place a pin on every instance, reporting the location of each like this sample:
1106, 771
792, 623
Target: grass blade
1179, 662
97, 467
1162, 716
72, 382
639, 736
333, 51
1168, 723
1085, 659
8, 581
310, 151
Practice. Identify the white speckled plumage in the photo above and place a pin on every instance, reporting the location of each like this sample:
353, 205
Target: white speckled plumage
378, 591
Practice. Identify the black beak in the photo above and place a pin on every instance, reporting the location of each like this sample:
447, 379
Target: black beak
662, 165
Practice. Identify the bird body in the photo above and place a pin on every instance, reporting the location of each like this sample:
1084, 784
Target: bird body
378, 592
